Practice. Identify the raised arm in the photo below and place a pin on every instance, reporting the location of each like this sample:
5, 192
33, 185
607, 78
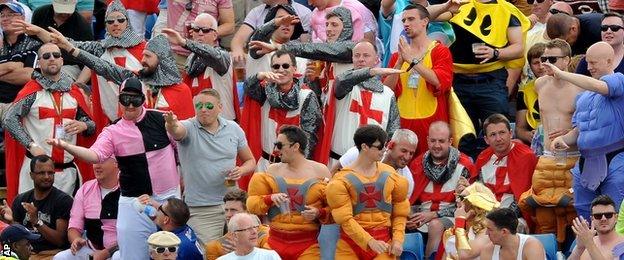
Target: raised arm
174, 127
205, 55
345, 82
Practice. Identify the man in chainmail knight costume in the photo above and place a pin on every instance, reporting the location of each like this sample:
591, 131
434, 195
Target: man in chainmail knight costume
280, 99
208, 66
159, 73
437, 173
49, 106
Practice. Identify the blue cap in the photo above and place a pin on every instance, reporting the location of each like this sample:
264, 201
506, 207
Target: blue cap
15, 7
17, 232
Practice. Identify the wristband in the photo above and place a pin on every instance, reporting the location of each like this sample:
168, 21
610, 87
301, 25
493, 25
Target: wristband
460, 222
267, 200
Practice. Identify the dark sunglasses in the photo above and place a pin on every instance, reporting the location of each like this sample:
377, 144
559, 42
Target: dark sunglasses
556, 11
207, 105
607, 215
160, 208
171, 249
550, 59
204, 30
613, 27
379, 146
48, 55
280, 145
112, 21
277, 66
533, 1
127, 100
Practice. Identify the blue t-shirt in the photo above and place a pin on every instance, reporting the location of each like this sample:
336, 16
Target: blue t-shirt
189, 248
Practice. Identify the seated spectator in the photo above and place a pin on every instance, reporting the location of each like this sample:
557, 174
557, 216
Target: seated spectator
598, 238
62, 16
18, 54
235, 202
172, 216
579, 31
16, 240
94, 212
501, 225
163, 245
245, 228
527, 107
611, 32
44, 209
506, 167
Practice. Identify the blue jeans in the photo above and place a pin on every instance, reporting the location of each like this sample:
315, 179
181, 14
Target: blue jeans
328, 238
612, 185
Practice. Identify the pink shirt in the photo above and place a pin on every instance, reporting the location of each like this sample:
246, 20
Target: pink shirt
88, 205
178, 16
362, 18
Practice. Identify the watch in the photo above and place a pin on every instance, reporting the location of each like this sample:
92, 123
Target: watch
38, 224
495, 54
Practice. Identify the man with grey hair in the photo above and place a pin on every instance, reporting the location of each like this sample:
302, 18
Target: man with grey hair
437, 173
208, 66
245, 228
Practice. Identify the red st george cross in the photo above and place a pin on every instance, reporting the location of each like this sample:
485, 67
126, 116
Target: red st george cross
45, 112
365, 110
296, 199
437, 196
500, 187
370, 195
279, 116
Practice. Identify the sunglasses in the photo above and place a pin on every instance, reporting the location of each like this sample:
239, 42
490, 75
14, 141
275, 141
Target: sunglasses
550, 59
280, 145
379, 146
203, 30
160, 208
48, 55
613, 27
134, 100
171, 249
112, 21
556, 11
277, 66
207, 105
607, 215
533, 1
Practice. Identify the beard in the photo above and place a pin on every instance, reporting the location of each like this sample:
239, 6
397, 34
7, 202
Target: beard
51, 71
146, 71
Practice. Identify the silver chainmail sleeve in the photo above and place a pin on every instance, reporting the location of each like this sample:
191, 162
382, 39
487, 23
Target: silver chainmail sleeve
311, 119
205, 55
94, 47
82, 116
263, 34
254, 89
104, 68
340, 52
394, 121
13, 119
345, 82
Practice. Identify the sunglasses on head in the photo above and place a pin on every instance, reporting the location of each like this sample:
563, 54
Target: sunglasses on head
128, 99
280, 145
48, 55
277, 66
607, 215
550, 59
533, 1
613, 27
207, 105
556, 11
171, 249
203, 30
112, 21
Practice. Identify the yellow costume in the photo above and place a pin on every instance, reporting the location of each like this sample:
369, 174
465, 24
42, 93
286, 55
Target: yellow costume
214, 249
290, 235
367, 208
549, 201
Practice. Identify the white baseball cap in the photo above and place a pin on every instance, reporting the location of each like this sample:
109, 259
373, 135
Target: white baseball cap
64, 6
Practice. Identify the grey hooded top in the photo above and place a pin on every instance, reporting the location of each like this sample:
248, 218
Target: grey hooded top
166, 73
12, 120
127, 39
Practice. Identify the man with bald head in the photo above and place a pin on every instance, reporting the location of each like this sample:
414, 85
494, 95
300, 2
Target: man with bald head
436, 174
597, 129
610, 32
560, 7
579, 31
208, 66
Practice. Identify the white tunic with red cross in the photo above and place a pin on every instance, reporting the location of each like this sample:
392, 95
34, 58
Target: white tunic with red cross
273, 119
359, 107
494, 176
223, 84
40, 124
109, 91
437, 196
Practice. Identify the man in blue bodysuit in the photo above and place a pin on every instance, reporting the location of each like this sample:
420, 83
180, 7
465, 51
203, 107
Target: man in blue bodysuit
598, 129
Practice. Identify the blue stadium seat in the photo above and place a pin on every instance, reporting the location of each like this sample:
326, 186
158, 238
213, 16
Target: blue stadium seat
413, 247
549, 241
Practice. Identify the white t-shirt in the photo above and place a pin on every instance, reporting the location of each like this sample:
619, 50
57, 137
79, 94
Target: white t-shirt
351, 155
256, 254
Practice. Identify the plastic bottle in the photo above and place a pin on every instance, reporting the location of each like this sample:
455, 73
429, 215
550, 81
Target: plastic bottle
148, 210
